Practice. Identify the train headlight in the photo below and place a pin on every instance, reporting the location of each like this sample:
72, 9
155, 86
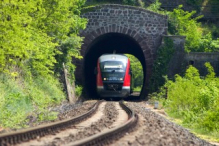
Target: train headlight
121, 79
104, 79
113, 57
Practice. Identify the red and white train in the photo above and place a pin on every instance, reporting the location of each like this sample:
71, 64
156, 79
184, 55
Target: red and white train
114, 76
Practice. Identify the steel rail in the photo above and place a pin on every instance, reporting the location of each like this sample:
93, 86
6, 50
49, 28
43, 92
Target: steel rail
39, 131
101, 137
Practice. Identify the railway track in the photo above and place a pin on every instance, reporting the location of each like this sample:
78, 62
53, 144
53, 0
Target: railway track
105, 137
106, 123
13, 138
102, 137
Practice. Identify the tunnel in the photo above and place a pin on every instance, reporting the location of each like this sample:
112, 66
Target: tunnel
107, 44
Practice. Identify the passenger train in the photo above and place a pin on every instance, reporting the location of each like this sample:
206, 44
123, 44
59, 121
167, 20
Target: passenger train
114, 76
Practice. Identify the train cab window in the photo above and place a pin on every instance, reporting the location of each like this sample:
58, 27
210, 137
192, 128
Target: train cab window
113, 70
112, 66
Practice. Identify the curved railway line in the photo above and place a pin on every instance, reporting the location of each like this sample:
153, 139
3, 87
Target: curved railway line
40, 131
106, 123
22, 136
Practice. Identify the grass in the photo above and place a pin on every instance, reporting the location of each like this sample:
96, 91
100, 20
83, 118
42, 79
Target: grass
201, 133
212, 137
21, 97
137, 89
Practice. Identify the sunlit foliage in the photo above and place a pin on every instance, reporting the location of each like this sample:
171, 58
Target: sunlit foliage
31, 32
194, 99
36, 38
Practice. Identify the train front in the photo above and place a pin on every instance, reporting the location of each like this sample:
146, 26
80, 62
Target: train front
113, 76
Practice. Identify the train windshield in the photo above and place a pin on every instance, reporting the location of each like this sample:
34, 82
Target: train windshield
113, 70
112, 66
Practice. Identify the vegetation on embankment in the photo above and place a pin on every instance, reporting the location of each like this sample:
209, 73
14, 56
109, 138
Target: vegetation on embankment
191, 98
194, 100
36, 38
198, 39
26, 96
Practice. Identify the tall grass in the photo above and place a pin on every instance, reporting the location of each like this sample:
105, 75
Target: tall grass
195, 100
21, 97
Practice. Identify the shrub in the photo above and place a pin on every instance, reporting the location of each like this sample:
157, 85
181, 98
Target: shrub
21, 97
164, 54
184, 23
194, 99
78, 90
138, 88
39, 29
155, 7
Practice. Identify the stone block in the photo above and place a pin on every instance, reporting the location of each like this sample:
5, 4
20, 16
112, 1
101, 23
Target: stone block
124, 30
143, 26
133, 33
103, 30
113, 27
129, 32
99, 32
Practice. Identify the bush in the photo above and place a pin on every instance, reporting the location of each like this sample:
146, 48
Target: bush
138, 88
22, 97
78, 90
155, 7
195, 100
39, 30
184, 23
160, 67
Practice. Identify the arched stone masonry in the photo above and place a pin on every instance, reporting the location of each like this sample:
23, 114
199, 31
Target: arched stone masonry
143, 26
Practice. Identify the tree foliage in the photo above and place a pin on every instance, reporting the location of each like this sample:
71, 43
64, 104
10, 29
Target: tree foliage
195, 99
36, 37
160, 67
31, 32
21, 98
137, 71
155, 7
184, 23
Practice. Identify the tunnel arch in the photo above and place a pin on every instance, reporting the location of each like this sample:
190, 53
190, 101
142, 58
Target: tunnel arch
143, 29
107, 44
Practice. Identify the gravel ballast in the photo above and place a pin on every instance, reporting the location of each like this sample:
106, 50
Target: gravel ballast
159, 131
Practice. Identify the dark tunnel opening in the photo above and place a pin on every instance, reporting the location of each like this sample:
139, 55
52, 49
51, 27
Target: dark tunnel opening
107, 44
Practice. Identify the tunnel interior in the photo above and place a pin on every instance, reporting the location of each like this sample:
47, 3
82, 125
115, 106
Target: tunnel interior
107, 44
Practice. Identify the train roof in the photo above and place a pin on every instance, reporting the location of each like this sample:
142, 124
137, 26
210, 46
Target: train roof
110, 57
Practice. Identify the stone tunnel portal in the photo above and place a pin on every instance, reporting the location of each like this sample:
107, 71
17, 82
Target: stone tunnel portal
125, 29
107, 43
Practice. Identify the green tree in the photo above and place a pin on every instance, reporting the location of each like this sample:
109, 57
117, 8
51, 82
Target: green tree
184, 23
194, 99
36, 36
31, 32
155, 7
137, 71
